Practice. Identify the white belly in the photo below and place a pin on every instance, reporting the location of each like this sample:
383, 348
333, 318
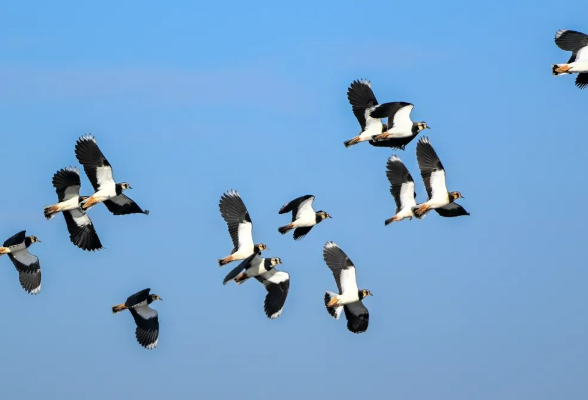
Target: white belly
347, 298
105, 193
305, 221
578, 66
400, 131
70, 204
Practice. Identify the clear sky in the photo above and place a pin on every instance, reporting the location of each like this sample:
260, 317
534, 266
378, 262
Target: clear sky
190, 99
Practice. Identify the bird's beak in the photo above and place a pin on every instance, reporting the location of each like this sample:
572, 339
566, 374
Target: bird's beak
130, 187
330, 216
462, 197
160, 299
38, 241
428, 127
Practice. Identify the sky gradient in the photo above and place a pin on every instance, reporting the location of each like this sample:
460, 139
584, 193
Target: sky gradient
190, 100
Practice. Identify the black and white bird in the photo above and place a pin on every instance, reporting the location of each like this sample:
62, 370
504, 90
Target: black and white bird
303, 216
27, 265
399, 129
434, 178
238, 221
401, 188
349, 298
67, 184
146, 318
275, 282
99, 173
577, 43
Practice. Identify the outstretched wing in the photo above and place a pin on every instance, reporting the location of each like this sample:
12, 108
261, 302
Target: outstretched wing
362, 99
123, 205
29, 270
235, 214
277, 284
81, 230
401, 183
147, 320
452, 210
67, 184
96, 166
358, 317
342, 268
431, 168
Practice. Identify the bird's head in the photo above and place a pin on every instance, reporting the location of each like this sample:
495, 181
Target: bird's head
260, 247
275, 261
456, 195
422, 126
34, 239
323, 215
125, 186
363, 293
155, 297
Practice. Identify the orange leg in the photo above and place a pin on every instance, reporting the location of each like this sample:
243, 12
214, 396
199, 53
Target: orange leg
563, 68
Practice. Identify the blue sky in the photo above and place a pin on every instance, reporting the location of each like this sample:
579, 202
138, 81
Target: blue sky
190, 100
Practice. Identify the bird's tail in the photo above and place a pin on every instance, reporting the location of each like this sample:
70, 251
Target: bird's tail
4, 250
118, 308
560, 69
224, 261
334, 311
351, 142
390, 220
285, 228
50, 211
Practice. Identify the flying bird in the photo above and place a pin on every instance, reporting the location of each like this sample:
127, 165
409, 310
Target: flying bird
99, 173
349, 298
67, 184
276, 283
303, 216
399, 129
146, 318
27, 265
577, 43
401, 188
433, 175
238, 221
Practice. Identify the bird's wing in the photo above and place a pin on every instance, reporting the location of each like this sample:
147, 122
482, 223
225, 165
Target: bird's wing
401, 183
304, 207
67, 184
582, 80
452, 210
297, 204
137, 298
29, 270
15, 240
300, 233
357, 316
342, 268
241, 267
97, 167
81, 230
277, 284
398, 113
237, 217
147, 321
569, 40
398, 143
123, 205
431, 168
362, 99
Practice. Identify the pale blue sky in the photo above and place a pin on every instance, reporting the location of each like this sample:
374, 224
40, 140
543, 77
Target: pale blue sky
191, 99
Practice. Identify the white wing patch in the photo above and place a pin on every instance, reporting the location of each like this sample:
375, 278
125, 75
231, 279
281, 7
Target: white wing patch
146, 312
245, 236
80, 217
71, 192
407, 195
438, 187
24, 257
104, 177
402, 117
305, 209
582, 54
275, 277
348, 282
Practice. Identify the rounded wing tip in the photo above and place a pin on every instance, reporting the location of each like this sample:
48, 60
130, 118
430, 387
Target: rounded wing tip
330, 244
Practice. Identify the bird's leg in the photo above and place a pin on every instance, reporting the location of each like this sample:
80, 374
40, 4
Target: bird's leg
333, 302
380, 136
89, 203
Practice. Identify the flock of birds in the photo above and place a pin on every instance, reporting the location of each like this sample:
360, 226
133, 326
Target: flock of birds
396, 133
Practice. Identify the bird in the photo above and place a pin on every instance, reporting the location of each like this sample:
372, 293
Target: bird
349, 298
238, 221
434, 178
146, 318
67, 184
577, 43
27, 264
99, 172
399, 130
303, 216
276, 283
401, 188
